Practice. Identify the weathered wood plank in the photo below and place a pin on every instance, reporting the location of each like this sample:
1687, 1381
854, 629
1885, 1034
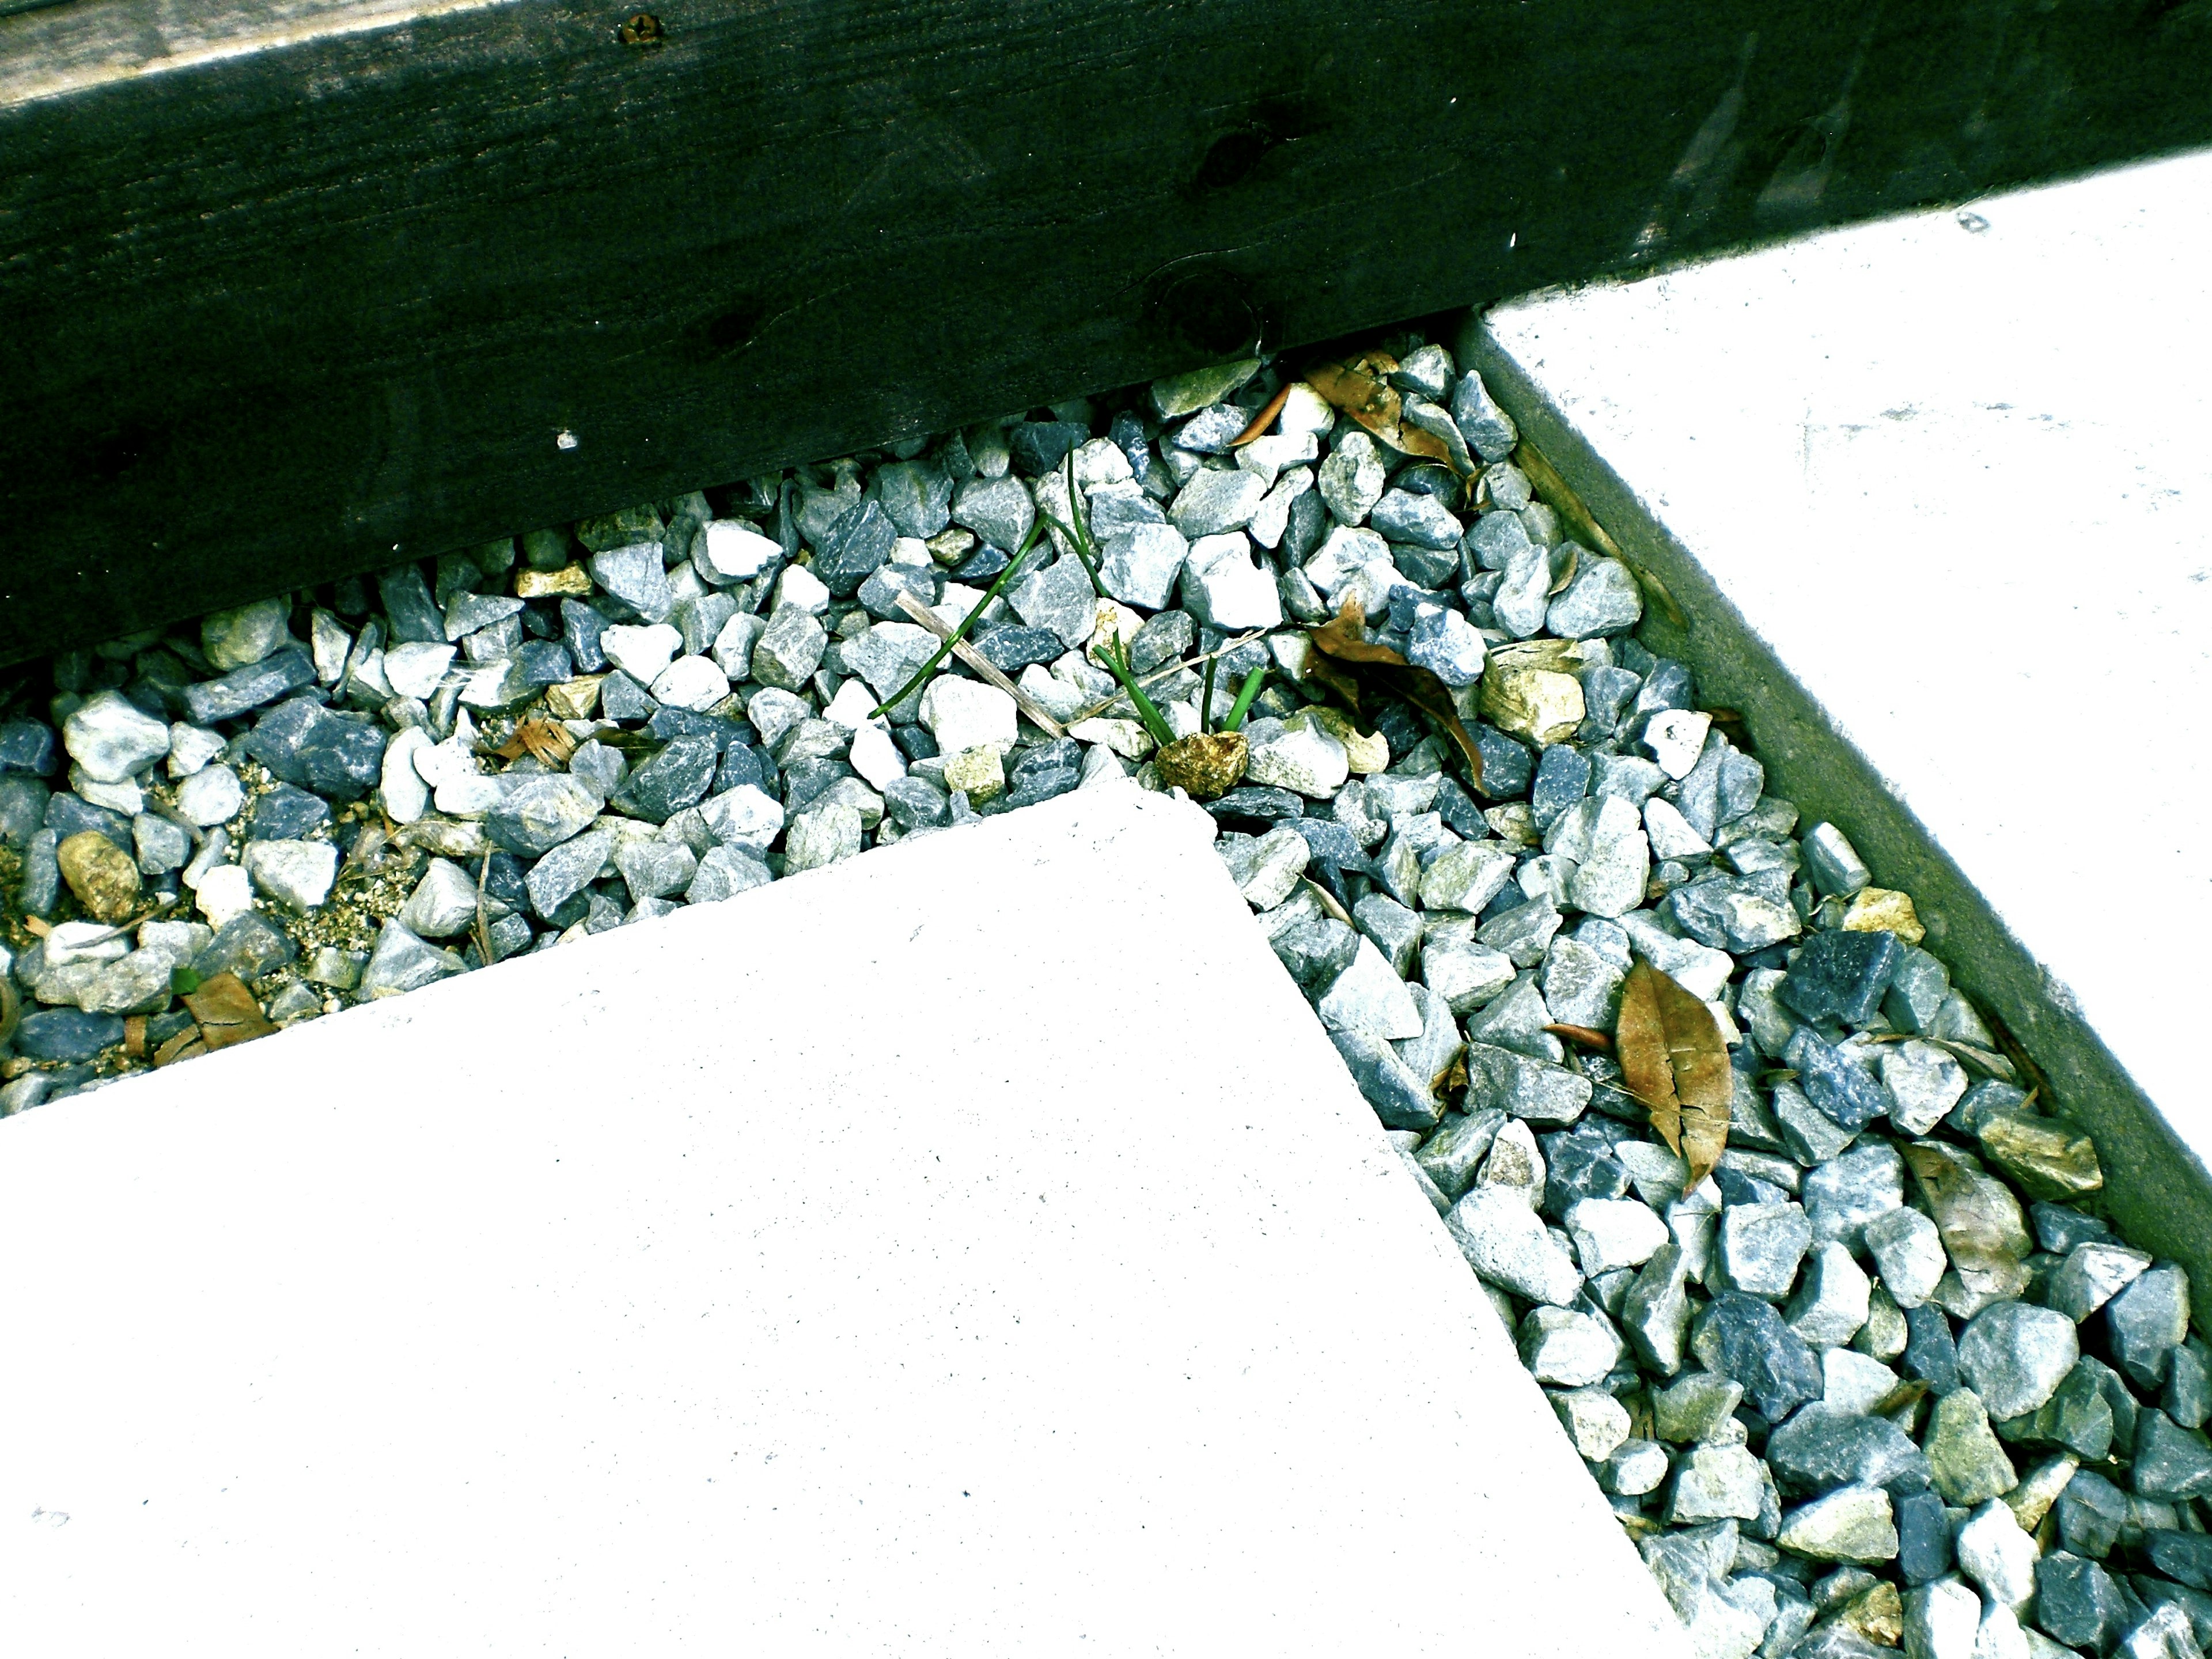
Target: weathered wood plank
294, 287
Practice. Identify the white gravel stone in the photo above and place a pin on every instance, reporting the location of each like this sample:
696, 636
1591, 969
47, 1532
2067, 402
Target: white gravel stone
1852, 1523
733, 650
1522, 597
1602, 599
1854, 1381
1138, 563
1465, 974
1344, 552
693, 683
2092, 1275
329, 645
1610, 874
1670, 832
822, 836
297, 874
2001, 1636
874, 755
436, 763
1908, 1252
1761, 1245
642, 651
1352, 479
1676, 737
1832, 1299
1716, 1483
733, 551
1266, 869
1514, 1165
470, 794
1940, 1619
1215, 501
443, 904
1595, 1421
112, 737
800, 586
1636, 1467
746, 816
1367, 996
1922, 1082
126, 798
404, 795
1297, 754
1504, 1240
192, 747
1224, 586
1996, 1554
1614, 1232
1467, 876
1126, 738
2015, 1355
1567, 1349
233, 638
414, 669
1832, 862
963, 714
211, 795
224, 891
402, 962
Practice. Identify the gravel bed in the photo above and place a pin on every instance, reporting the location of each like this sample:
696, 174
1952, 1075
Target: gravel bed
1883, 1378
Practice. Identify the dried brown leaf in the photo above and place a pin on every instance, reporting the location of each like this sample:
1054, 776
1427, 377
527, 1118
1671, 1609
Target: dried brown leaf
1328, 901
227, 1011
1544, 479
1943, 1181
1582, 1037
1346, 639
1573, 563
134, 1037
1358, 389
1911, 1392
187, 1044
1265, 418
2031, 1075
1673, 1059
549, 741
1453, 1076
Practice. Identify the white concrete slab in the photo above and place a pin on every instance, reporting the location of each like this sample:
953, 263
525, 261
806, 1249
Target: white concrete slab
1955, 469
974, 1248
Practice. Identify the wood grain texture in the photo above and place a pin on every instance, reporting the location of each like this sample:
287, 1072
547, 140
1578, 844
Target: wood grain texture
299, 287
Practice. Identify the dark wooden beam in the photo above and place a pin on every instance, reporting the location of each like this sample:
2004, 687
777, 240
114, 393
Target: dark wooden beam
293, 288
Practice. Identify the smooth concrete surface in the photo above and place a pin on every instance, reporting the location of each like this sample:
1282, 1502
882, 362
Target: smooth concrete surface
1937, 496
976, 1248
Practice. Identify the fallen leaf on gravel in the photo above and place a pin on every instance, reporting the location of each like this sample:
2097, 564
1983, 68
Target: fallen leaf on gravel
549, 742
1582, 1037
1265, 418
185, 1045
1453, 1076
1544, 479
1345, 640
1673, 1059
1358, 389
227, 1011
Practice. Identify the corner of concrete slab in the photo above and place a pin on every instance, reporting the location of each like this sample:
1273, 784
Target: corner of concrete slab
2156, 1184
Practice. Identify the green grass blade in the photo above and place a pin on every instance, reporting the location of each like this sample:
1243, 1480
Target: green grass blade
1244, 695
922, 674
